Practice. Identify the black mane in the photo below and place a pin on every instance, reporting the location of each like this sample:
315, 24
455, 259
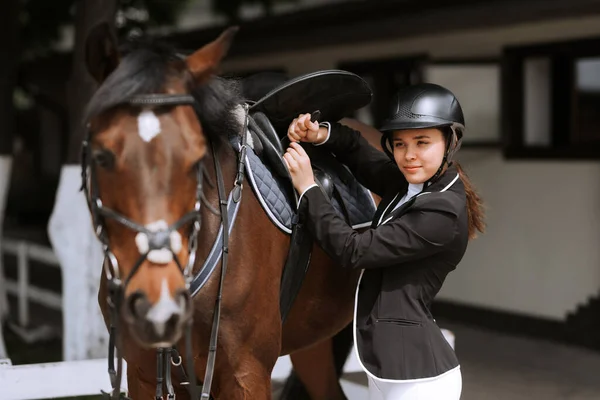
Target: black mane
145, 68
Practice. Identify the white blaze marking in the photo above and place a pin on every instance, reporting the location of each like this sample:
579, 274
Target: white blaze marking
162, 256
164, 308
148, 125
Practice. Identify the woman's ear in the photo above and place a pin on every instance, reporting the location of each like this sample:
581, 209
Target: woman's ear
386, 144
452, 143
204, 62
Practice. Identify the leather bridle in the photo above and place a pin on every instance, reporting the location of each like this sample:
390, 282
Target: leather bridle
160, 240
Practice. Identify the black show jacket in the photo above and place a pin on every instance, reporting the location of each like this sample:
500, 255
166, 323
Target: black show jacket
405, 257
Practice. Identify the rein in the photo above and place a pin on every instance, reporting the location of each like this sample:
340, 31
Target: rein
157, 240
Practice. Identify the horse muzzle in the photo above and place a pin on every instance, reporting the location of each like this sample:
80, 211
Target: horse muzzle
159, 324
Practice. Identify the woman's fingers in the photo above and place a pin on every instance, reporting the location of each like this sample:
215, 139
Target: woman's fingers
292, 165
309, 125
297, 149
286, 162
293, 134
293, 137
296, 156
300, 124
293, 153
298, 163
301, 129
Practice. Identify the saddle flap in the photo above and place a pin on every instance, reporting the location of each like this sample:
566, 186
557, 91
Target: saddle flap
336, 93
265, 125
272, 150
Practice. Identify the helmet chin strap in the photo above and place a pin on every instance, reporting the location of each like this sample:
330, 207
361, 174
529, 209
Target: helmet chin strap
385, 141
451, 149
438, 172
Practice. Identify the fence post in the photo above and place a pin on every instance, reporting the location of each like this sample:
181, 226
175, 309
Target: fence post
4, 360
23, 267
80, 255
5, 170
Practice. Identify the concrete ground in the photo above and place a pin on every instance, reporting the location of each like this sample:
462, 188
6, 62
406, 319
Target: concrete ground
499, 367
494, 366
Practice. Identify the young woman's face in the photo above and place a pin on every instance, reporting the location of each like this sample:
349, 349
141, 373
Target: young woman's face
418, 153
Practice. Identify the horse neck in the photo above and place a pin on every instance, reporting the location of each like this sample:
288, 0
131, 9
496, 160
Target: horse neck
227, 161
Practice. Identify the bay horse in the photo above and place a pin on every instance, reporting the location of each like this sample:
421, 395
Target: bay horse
158, 164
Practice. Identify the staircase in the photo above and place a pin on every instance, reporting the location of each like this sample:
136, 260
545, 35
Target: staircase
582, 326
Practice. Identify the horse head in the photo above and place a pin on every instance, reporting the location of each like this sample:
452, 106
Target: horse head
149, 128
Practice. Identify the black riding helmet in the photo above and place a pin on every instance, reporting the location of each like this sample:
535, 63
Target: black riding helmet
421, 106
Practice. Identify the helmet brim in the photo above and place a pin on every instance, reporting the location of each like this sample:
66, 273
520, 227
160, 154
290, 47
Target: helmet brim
390, 126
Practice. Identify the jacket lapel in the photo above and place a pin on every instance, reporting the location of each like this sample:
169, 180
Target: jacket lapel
388, 202
445, 182
399, 211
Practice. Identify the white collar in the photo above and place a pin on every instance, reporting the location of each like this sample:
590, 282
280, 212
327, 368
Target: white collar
414, 189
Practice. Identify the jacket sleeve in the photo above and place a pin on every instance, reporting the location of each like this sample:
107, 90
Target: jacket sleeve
418, 234
371, 167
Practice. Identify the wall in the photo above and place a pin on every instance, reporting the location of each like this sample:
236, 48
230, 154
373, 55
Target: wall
468, 43
541, 253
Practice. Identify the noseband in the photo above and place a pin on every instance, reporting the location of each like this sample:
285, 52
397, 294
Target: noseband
159, 240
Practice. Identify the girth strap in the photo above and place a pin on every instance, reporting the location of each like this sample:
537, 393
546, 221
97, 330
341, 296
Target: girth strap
212, 349
296, 264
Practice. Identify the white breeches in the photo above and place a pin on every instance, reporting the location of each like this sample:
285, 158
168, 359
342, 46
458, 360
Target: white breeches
445, 387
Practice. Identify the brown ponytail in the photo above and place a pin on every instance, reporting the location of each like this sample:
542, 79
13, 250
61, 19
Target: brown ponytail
474, 205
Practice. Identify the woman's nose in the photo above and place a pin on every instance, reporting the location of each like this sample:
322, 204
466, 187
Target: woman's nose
410, 154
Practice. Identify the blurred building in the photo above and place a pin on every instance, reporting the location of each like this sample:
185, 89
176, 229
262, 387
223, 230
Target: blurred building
527, 73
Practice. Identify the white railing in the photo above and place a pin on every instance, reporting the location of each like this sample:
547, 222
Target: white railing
51, 380
60, 379
25, 251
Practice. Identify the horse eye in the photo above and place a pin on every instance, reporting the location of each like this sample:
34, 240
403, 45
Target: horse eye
104, 158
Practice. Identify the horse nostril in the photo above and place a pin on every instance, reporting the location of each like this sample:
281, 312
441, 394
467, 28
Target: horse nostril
138, 305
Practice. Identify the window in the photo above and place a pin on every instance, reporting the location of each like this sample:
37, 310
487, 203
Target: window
385, 77
551, 100
586, 117
476, 84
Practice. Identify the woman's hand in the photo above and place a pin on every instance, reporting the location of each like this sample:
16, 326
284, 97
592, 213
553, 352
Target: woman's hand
302, 129
298, 164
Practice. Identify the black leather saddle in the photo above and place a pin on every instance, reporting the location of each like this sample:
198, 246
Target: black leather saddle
334, 93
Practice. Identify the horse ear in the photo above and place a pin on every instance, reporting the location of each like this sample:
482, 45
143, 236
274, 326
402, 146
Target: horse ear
101, 54
204, 62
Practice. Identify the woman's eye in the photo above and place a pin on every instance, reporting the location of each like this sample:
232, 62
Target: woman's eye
104, 158
422, 142
398, 144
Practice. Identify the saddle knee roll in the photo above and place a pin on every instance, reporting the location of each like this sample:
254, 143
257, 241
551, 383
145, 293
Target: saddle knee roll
325, 182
